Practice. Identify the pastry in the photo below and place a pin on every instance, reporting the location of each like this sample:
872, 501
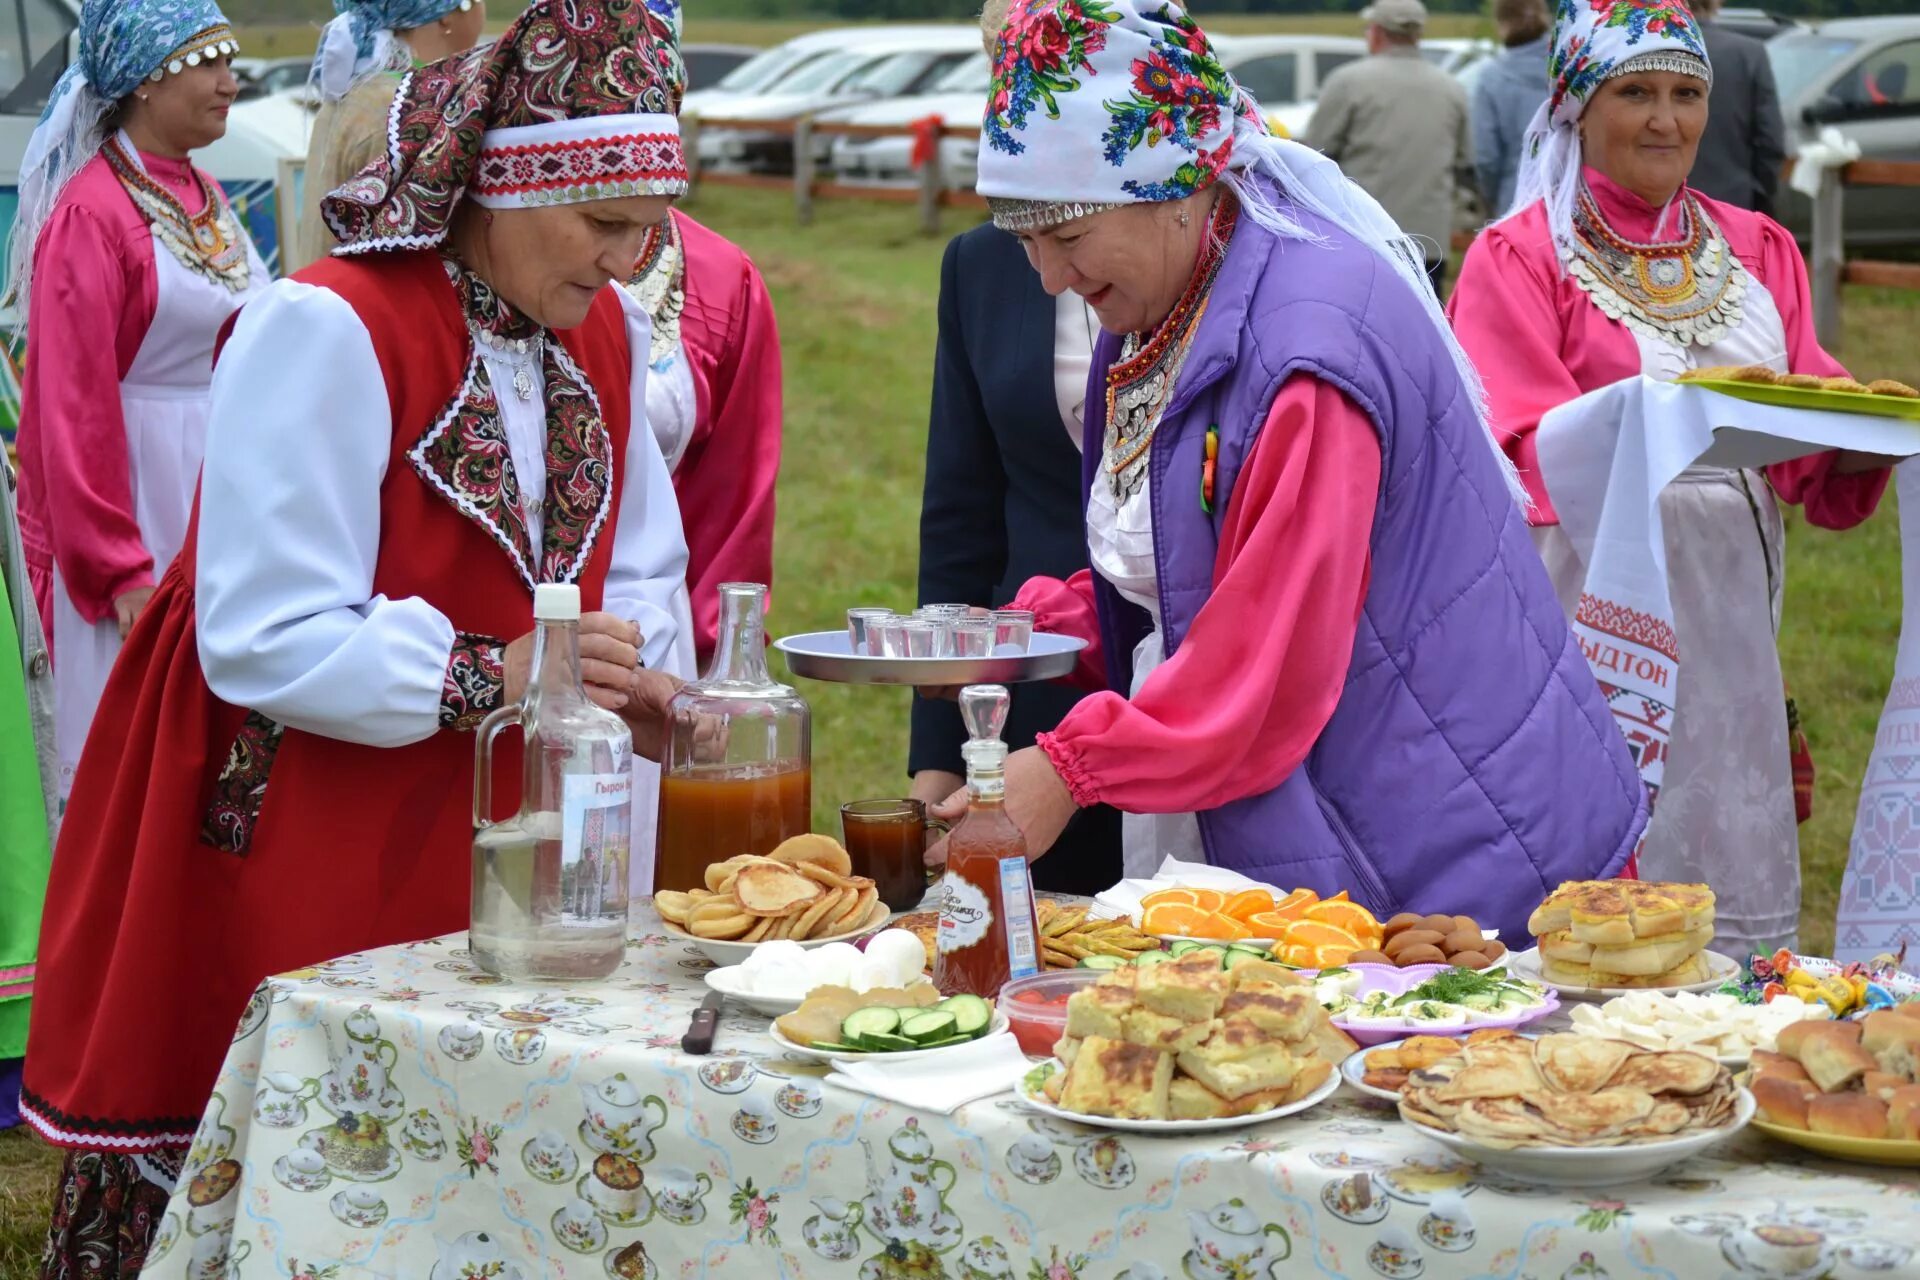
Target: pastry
1834, 1058
1894, 1042
1888, 387
1781, 1101
1848, 1115
1114, 1078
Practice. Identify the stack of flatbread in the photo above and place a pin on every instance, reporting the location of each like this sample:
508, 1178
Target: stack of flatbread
1624, 933
1569, 1091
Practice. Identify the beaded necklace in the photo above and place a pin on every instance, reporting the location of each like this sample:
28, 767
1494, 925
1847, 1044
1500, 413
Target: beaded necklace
496, 325
207, 243
659, 285
1685, 291
1141, 382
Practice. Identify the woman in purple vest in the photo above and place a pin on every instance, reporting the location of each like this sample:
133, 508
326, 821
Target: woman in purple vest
1330, 655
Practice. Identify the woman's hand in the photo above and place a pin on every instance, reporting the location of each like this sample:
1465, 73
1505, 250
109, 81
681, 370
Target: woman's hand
609, 656
128, 606
646, 711
1037, 801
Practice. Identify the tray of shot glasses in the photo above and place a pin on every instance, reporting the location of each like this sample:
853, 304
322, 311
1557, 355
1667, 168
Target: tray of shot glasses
936, 645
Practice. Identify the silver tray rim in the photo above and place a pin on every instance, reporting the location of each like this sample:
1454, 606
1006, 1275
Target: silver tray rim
860, 668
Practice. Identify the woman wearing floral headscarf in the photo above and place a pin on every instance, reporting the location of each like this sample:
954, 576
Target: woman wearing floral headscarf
1611, 267
1331, 658
405, 440
362, 55
126, 260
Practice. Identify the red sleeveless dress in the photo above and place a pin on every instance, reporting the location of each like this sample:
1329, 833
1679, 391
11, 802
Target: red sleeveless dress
156, 929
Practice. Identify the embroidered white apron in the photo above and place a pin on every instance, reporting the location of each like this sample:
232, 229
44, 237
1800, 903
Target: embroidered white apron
165, 399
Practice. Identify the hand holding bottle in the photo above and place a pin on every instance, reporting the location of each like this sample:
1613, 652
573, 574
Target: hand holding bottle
609, 656
1036, 799
646, 711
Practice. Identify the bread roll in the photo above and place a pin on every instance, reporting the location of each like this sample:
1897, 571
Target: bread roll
1794, 1034
1778, 1064
1882, 1084
1903, 1114
1781, 1101
1894, 1041
1832, 1055
1848, 1115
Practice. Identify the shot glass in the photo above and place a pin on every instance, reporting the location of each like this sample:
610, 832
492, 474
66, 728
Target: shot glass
860, 621
973, 637
908, 638
1012, 630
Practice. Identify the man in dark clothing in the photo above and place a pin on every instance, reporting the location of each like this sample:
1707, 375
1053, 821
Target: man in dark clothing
1505, 98
1745, 139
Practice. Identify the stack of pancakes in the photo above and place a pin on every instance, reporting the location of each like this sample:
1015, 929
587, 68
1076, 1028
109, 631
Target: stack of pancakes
1624, 933
1569, 1091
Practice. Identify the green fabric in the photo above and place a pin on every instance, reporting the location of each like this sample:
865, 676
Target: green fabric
24, 850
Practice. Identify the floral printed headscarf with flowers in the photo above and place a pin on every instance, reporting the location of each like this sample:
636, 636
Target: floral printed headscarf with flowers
1138, 75
1595, 41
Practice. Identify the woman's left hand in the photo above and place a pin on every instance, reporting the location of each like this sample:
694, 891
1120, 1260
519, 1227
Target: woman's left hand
645, 712
1037, 801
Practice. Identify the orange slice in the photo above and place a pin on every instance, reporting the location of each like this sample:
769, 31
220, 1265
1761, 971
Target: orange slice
1208, 899
1302, 957
1225, 926
1339, 897
1327, 957
1268, 924
1294, 905
1313, 933
1351, 916
1158, 896
1176, 919
1246, 903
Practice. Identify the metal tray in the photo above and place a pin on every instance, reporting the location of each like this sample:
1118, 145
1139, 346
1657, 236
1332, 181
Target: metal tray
829, 656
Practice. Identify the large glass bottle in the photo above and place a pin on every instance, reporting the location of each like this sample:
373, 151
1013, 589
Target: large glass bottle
550, 883
738, 773
987, 934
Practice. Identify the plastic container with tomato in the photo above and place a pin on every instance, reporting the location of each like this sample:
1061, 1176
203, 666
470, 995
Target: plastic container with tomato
1037, 1007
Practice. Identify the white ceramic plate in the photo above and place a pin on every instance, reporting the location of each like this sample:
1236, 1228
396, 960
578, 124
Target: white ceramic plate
732, 953
727, 982
1526, 964
1356, 1066
1039, 1103
1591, 1166
998, 1027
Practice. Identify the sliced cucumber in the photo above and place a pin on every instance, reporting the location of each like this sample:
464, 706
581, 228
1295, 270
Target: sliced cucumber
971, 1015
1146, 958
1103, 962
1237, 956
927, 1025
862, 1024
1183, 946
941, 1044
885, 1043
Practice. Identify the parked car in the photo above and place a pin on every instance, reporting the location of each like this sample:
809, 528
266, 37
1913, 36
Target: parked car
876, 69
711, 63
1758, 23
1277, 70
767, 68
1862, 77
261, 77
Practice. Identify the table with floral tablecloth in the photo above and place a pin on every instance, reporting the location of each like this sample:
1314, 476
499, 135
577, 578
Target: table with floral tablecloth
401, 1113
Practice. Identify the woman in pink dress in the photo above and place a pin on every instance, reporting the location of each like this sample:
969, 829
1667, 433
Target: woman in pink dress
1609, 268
127, 261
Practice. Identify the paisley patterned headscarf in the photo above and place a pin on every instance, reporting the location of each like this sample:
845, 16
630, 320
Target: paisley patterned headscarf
570, 105
1098, 104
122, 43
362, 39
1595, 41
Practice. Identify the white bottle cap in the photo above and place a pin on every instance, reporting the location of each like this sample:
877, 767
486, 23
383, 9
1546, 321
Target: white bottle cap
556, 602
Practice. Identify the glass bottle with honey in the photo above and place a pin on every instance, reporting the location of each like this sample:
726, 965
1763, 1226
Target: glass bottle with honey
987, 934
738, 772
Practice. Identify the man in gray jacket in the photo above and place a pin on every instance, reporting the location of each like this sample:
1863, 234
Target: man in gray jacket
1506, 96
1744, 143
1398, 127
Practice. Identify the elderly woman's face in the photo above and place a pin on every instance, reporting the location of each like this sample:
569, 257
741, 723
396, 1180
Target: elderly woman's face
552, 262
1130, 264
1643, 130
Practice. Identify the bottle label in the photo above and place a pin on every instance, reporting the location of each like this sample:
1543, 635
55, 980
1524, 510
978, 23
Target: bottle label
596, 828
965, 915
1016, 894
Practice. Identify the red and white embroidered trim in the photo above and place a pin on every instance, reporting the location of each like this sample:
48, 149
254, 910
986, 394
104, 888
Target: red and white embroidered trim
570, 161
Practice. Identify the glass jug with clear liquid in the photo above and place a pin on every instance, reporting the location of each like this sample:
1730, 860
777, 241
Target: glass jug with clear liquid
738, 773
550, 883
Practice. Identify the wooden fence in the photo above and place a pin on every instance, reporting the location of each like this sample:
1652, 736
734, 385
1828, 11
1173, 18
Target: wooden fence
1827, 262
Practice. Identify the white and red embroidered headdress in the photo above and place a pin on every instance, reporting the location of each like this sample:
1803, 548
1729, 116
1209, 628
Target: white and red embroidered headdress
571, 104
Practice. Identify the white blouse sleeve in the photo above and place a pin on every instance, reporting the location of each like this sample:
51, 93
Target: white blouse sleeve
649, 546
297, 448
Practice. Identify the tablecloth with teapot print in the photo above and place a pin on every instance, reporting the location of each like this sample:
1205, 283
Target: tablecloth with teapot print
401, 1113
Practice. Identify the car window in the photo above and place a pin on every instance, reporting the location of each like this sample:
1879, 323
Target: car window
1325, 64
33, 53
710, 66
765, 67
824, 74
974, 74
1888, 77
1272, 80
1801, 58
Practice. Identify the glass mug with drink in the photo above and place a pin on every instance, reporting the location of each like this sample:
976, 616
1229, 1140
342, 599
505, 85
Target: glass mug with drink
887, 841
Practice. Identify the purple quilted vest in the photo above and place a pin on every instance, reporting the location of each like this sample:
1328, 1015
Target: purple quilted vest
1471, 764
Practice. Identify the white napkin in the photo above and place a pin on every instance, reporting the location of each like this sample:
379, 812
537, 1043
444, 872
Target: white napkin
1124, 898
940, 1082
1833, 150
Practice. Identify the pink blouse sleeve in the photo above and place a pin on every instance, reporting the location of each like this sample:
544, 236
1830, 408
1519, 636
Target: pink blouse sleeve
1267, 655
1506, 318
83, 480
725, 483
1066, 609
1831, 501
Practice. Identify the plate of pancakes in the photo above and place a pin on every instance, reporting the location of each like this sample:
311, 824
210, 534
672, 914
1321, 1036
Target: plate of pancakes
1575, 1111
803, 891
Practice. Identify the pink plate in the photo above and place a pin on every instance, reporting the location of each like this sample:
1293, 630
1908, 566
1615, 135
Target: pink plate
1385, 977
